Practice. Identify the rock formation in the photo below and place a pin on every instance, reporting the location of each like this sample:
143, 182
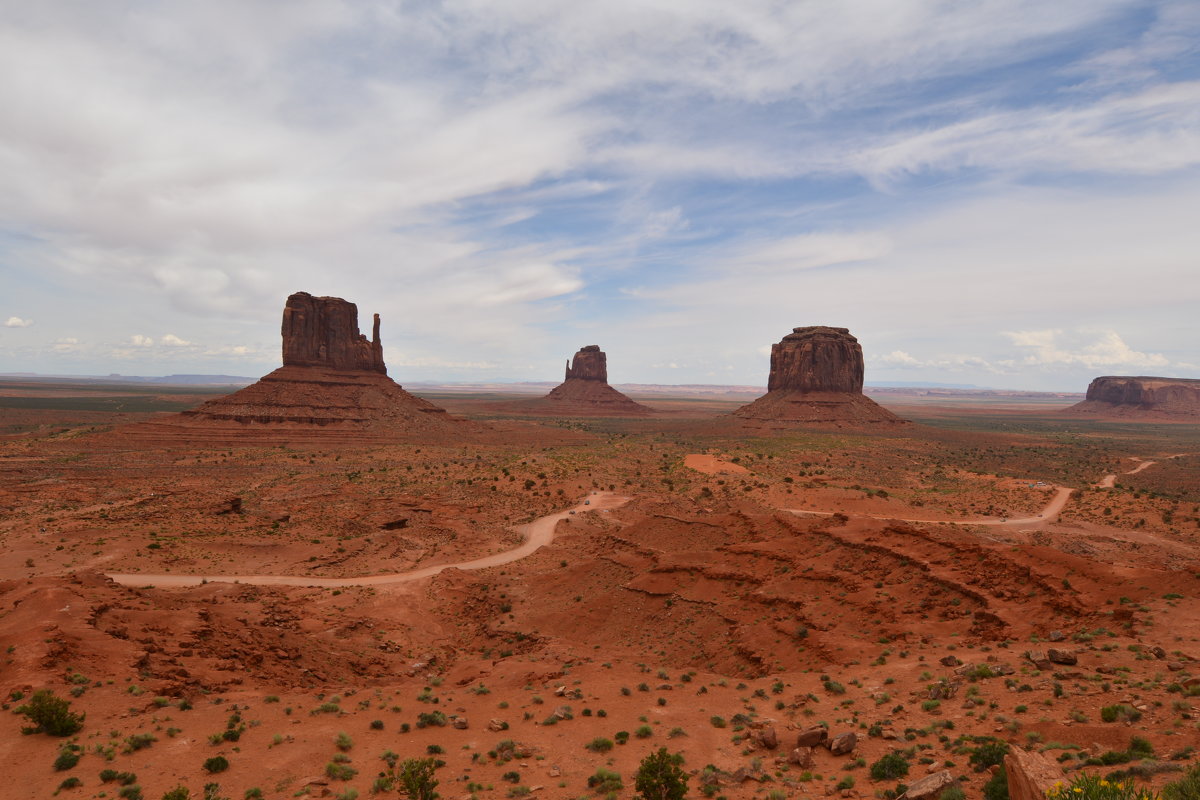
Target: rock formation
333, 381
584, 392
817, 377
323, 332
1141, 396
1030, 775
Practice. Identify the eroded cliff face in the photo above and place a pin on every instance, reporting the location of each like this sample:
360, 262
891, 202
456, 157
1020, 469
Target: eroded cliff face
323, 332
1141, 395
589, 364
817, 359
816, 377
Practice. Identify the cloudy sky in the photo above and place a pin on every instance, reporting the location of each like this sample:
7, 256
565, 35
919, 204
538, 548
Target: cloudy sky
1000, 193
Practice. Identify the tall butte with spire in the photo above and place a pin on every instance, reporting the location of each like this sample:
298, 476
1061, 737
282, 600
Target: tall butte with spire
817, 377
333, 383
584, 392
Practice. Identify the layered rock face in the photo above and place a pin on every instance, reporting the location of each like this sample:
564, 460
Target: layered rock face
589, 364
817, 377
817, 359
584, 392
333, 381
1141, 396
323, 332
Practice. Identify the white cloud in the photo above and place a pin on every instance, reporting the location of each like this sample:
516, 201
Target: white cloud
171, 340
17, 322
139, 340
1108, 349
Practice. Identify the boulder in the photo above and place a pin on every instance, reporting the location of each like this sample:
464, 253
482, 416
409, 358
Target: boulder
802, 757
929, 787
812, 737
843, 743
1067, 657
768, 738
1030, 775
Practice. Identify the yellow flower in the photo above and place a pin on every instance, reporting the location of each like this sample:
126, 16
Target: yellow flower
1104, 782
1078, 790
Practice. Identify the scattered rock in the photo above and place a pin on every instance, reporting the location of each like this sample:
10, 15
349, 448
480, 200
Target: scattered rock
1030, 775
802, 757
1040, 658
460, 723
843, 743
1067, 657
813, 737
496, 725
930, 786
951, 661
1056, 636
768, 738
1158, 652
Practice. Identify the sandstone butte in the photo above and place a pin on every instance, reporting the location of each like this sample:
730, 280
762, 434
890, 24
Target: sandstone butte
584, 392
1141, 396
333, 379
817, 377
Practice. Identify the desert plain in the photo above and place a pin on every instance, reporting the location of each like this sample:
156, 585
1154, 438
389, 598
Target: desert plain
538, 603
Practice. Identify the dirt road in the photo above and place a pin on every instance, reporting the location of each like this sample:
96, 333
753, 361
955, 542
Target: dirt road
537, 533
1049, 513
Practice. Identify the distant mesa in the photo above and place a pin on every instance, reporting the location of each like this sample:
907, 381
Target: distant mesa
817, 377
332, 379
584, 392
1141, 397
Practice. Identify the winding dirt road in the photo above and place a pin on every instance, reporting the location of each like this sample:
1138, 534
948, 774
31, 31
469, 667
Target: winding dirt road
537, 533
1049, 514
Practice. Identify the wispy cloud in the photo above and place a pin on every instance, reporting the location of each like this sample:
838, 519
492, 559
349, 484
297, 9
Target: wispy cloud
17, 322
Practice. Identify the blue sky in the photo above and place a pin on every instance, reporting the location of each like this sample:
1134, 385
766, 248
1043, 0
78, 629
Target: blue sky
1001, 193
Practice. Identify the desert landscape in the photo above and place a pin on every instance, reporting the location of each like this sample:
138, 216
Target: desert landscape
298, 588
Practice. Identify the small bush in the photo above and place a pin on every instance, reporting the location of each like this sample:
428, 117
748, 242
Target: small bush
178, 793
339, 771
890, 767
68, 757
216, 764
997, 786
1120, 713
660, 776
605, 781
988, 754
599, 745
1186, 788
50, 714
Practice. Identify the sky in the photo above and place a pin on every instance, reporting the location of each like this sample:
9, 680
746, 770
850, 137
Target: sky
1000, 193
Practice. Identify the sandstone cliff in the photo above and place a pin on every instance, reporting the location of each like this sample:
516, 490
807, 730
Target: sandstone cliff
1141, 396
323, 332
817, 377
583, 393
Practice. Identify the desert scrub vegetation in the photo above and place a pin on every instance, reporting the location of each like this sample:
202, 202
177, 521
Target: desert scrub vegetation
50, 714
889, 767
660, 776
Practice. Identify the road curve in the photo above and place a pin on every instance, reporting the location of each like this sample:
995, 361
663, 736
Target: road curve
537, 533
1049, 514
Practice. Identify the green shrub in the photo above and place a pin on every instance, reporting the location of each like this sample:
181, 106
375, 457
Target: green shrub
70, 783
890, 767
997, 786
343, 741
339, 771
68, 757
644, 732
178, 793
216, 764
599, 745
953, 793
988, 754
50, 714
660, 777
416, 778
1120, 713
605, 781
1186, 788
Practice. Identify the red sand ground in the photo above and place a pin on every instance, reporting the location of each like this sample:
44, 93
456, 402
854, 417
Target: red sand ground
696, 616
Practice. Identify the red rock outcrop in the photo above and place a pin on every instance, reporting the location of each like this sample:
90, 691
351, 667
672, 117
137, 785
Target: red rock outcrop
584, 392
1030, 775
589, 364
333, 381
817, 377
1141, 396
323, 332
